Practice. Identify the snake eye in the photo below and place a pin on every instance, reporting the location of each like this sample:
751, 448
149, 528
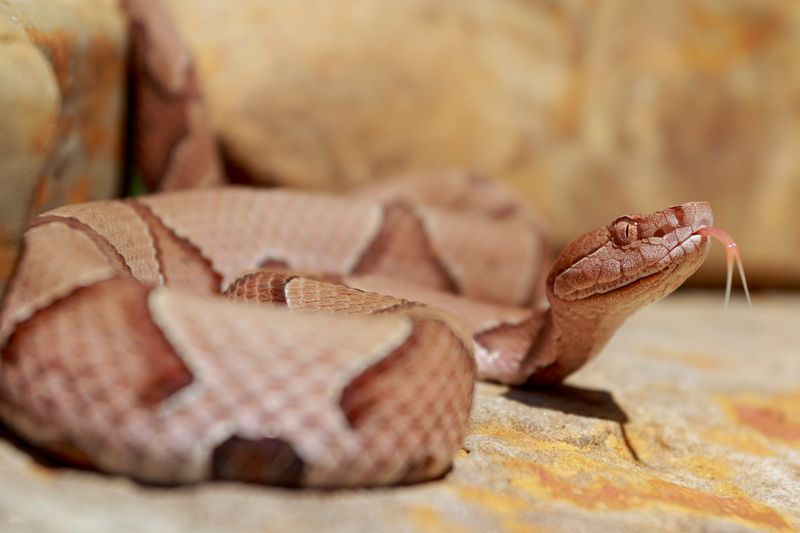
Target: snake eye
625, 231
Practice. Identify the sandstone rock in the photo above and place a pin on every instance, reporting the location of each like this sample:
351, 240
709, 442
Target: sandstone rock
687, 422
28, 105
61, 108
592, 109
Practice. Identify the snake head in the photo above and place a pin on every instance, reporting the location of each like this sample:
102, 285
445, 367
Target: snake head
635, 260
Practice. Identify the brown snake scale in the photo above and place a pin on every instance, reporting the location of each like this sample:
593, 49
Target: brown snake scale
291, 338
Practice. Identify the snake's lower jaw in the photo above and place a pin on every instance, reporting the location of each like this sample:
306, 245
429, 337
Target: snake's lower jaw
650, 287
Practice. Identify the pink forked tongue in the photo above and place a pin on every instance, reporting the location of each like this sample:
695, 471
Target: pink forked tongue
732, 251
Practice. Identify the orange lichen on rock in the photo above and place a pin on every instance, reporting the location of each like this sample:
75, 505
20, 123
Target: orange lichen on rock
429, 519
81, 191
711, 468
8, 254
776, 417
96, 100
598, 486
496, 502
84, 143
738, 439
522, 441
59, 46
611, 441
42, 194
42, 141
553, 470
507, 508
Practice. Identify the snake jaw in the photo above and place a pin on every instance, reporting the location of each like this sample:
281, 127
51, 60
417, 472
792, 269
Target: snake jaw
635, 250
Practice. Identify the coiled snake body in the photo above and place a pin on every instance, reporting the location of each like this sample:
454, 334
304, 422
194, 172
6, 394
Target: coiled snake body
240, 334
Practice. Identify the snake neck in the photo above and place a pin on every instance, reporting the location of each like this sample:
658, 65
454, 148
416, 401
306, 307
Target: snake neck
571, 334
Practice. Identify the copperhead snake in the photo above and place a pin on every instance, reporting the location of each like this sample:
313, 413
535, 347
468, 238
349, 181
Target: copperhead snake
303, 339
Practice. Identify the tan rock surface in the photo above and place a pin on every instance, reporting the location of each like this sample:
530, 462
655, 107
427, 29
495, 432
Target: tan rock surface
590, 108
29, 102
687, 422
62, 66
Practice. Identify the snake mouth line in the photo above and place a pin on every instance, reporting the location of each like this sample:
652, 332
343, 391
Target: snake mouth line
637, 280
662, 271
662, 267
676, 255
657, 270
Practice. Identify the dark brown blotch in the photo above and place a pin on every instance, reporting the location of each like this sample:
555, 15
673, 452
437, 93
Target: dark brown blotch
268, 460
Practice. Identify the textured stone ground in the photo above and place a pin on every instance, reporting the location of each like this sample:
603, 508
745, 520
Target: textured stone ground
688, 421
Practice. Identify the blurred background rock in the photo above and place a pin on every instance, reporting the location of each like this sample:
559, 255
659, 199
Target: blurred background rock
589, 108
62, 96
